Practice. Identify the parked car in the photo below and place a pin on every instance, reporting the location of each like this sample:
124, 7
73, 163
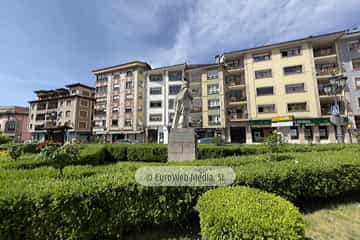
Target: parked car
206, 140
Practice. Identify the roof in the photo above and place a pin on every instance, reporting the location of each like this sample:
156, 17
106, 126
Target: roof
335, 34
76, 85
201, 66
121, 66
170, 66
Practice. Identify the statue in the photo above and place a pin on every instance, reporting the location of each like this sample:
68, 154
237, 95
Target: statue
183, 102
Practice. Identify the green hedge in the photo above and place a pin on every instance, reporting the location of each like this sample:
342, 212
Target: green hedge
246, 213
104, 201
147, 153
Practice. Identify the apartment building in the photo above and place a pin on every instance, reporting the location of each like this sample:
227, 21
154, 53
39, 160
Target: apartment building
119, 108
162, 85
281, 86
349, 46
14, 123
63, 114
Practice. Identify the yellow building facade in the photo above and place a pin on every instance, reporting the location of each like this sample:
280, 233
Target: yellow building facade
280, 87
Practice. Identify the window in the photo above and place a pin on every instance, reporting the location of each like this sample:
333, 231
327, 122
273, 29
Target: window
323, 132
139, 108
263, 91
261, 57
213, 89
40, 117
290, 52
115, 109
308, 133
41, 106
234, 80
52, 105
359, 102
129, 73
266, 108
155, 78
83, 114
171, 103
171, 117
116, 76
175, 76
84, 103
101, 89
356, 64
293, 70
101, 78
155, 91
82, 124
128, 109
266, 73
357, 82
212, 74
155, 104
128, 123
155, 117
213, 103
116, 97
232, 64
60, 114
102, 99
354, 45
129, 96
129, 84
116, 86
174, 89
214, 120
73, 91
114, 122
295, 88
86, 93
67, 114
294, 133
297, 107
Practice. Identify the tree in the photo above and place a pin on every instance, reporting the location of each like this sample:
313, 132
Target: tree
273, 143
15, 151
66, 155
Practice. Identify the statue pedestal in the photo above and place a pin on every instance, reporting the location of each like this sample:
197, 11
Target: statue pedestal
182, 144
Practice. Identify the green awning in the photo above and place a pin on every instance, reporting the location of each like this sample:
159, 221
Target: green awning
260, 122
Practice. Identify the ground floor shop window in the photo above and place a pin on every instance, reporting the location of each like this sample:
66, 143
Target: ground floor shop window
323, 132
294, 133
257, 134
308, 133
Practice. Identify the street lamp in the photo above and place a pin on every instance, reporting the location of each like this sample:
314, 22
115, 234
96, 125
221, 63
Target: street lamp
336, 85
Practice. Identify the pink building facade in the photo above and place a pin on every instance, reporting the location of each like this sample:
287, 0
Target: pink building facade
14, 123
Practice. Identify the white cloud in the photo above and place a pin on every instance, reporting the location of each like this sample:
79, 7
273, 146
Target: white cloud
213, 25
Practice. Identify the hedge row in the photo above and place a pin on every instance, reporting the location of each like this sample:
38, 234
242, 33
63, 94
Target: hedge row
158, 152
104, 201
247, 214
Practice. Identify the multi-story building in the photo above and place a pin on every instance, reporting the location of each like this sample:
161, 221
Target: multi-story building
119, 108
14, 123
63, 114
349, 46
162, 85
281, 86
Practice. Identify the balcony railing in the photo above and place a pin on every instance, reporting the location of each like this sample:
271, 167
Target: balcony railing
235, 83
214, 123
238, 116
321, 52
231, 66
326, 71
323, 93
326, 109
236, 99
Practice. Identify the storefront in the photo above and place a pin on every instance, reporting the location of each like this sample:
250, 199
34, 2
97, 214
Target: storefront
301, 130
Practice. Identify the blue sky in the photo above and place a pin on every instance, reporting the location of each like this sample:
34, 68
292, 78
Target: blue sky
46, 44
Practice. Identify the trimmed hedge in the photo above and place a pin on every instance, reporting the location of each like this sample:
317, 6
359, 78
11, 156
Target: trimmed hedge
105, 202
147, 153
247, 213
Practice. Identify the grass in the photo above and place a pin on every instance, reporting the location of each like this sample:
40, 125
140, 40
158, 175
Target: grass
340, 222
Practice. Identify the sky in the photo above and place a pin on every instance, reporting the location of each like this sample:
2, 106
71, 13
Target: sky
47, 44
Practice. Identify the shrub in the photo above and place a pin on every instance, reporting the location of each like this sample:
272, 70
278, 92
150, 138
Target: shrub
118, 152
63, 156
147, 152
47, 150
4, 139
273, 145
218, 141
94, 154
30, 148
246, 213
15, 151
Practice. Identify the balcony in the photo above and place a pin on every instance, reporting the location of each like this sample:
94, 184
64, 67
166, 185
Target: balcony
322, 92
326, 69
324, 52
238, 116
326, 108
232, 65
235, 83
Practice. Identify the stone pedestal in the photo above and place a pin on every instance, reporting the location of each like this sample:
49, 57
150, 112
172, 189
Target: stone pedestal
182, 144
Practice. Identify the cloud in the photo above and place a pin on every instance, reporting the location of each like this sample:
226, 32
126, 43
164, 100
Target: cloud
214, 26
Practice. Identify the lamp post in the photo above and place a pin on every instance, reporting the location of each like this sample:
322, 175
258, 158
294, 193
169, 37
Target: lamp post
336, 85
